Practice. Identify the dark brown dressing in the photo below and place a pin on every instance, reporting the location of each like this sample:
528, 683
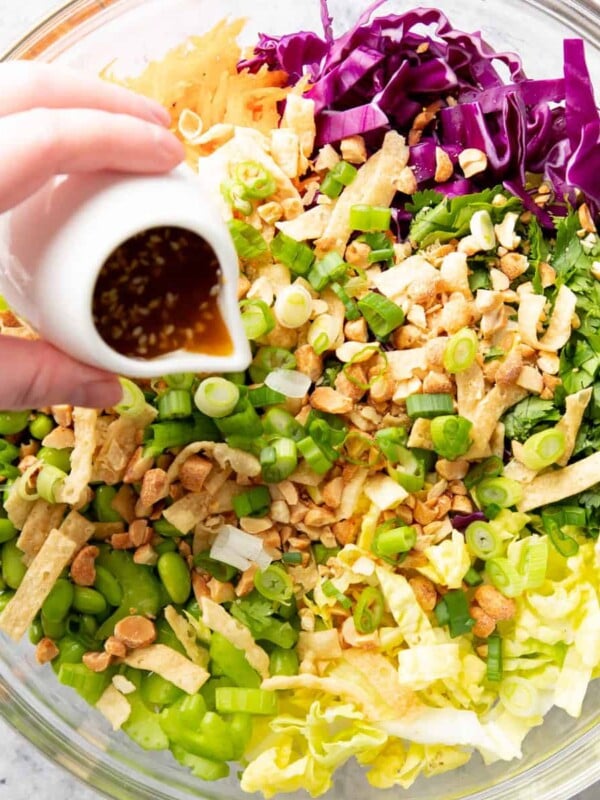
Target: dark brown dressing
158, 292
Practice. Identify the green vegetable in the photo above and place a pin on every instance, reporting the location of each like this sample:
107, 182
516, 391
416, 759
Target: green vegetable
162, 436
102, 504
461, 350
494, 659
7, 530
256, 502
451, 436
382, 315
274, 583
503, 574
457, 606
58, 603
89, 601
501, 492
232, 699
232, 662
283, 662
49, 483
326, 270
90, 685
429, 406
133, 401
157, 691
175, 575
370, 218
368, 613
175, 404
143, 725
12, 422
278, 460
483, 540
40, 426
544, 448
268, 359
393, 541
248, 242
257, 318
522, 420
222, 572
60, 459
297, 256
13, 568
256, 181
205, 769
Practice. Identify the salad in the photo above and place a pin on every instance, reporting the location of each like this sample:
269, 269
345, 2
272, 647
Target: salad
380, 541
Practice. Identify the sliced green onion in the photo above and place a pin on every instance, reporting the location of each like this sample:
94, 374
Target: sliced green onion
181, 380
502, 492
269, 358
248, 242
482, 229
389, 543
293, 306
382, 247
257, 182
382, 315
280, 422
8, 452
323, 333
544, 448
429, 406
490, 468
331, 590
175, 404
314, 456
243, 421
234, 194
503, 574
278, 460
22, 484
352, 312
519, 696
133, 402
163, 435
494, 659
370, 218
262, 396
472, 577
274, 584
331, 187
461, 351
391, 442
257, 318
256, 502
451, 436
441, 613
483, 541
553, 522
330, 268
49, 483
533, 563
323, 554
39, 427
290, 382
218, 569
459, 619
296, 256
344, 172
368, 613
216, 397
234, 700
292, 558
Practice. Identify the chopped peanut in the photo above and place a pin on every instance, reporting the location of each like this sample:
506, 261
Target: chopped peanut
424, 591
221, 592
121, 541
356, 330
494, 603
406, 181
146, 555
308, 362
135, 631
354, 149
472, 161
351, 382
194, 472
510, 369
461, 504
423, 513
97, 662
330, 401
346, 532
46, 651
140, 533
137, 466
199, 586
382, 386
452, 470
357, 254
484, 624
246, 583
513, 265
155, 486
443, 166
115, 647
332, 492
83, 568
438, 383
243, 286
585, 218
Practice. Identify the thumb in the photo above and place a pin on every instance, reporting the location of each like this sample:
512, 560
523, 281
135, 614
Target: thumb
35, 374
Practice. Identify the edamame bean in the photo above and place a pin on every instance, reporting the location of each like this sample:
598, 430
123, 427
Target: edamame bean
103, 499
89, 601
13, 422
88, 625
13, 568
175, 575
53, 630
56, 458
36, 632
58, 603
7, 530
5, 599
40, 426
108, 586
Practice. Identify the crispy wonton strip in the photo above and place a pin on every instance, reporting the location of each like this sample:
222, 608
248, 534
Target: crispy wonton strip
531, 309
56, 553
16, 508
115, 707
119, 444
403, 363
470, 390
334, 686
84, 424
383, 677
575, 406
551, 487
242, 463
219, 620
488, 414
186, 634
170, 665
42, 518
374, 186
309, 225
187, 512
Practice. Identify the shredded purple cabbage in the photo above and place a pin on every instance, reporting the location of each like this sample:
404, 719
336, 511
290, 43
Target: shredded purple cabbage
384, 71
462, 521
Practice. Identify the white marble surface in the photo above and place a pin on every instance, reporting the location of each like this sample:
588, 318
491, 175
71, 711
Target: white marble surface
24, 773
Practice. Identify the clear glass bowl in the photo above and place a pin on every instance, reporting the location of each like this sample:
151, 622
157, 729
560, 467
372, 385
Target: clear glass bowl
562, 757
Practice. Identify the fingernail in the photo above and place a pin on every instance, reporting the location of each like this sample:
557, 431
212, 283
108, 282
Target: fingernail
98, 394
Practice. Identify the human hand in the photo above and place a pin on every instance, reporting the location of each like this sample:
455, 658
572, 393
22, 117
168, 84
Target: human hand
55, 121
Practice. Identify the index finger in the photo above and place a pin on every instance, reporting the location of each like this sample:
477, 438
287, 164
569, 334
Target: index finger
25, 85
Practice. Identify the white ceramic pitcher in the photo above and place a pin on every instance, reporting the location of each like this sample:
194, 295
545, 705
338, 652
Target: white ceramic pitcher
53, 246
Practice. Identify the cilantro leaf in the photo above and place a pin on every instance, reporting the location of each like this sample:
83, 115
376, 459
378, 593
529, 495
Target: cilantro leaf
425, 199
522, 419
538, 252
259, 615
